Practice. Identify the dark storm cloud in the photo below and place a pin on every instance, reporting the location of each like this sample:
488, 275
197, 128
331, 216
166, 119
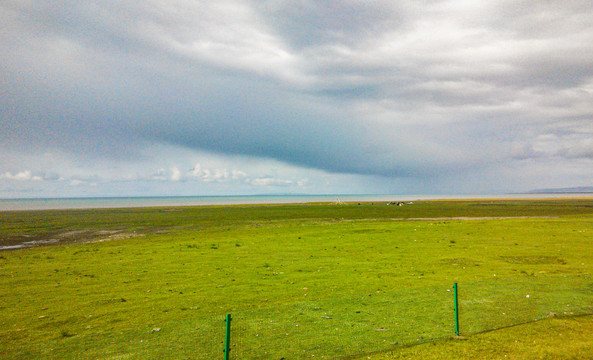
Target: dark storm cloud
271, 124
384, 88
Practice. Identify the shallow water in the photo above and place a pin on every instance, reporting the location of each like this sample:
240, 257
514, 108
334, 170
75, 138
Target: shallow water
27, 244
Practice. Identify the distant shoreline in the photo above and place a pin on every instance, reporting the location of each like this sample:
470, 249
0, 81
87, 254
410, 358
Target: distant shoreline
175, 201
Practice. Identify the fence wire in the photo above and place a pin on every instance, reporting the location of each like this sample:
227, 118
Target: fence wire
337, 327
491, 305
331, 328
187, 339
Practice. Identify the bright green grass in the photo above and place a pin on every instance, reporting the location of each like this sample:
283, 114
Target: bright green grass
555, 338
182, 267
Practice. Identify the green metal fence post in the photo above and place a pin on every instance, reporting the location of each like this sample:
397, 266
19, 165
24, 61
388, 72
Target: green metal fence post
456, 309
227, 342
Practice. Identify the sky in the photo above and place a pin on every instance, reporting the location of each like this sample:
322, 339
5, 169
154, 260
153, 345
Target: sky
242, 97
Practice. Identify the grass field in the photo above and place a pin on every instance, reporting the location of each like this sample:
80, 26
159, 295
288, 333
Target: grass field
112, 273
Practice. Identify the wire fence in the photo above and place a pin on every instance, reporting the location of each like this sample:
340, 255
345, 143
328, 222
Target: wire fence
335, 328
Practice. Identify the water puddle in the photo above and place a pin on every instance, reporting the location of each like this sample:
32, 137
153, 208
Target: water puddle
28, 244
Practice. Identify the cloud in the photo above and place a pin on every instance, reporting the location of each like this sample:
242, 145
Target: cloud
216, 174
271, 182
77, 182
238, 174
207, 175
583, 149
21, 176
160, 174
401, 90
175, 174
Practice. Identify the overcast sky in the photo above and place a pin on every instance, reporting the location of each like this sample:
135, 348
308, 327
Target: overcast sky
175, 97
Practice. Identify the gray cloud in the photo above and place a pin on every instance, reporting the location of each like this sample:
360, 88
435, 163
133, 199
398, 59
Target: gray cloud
404, 89
305, 24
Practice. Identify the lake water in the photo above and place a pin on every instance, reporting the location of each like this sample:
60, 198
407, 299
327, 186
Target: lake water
127, 202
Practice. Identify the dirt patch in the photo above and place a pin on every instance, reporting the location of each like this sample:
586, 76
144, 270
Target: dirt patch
74, 233
66, 237
120, 236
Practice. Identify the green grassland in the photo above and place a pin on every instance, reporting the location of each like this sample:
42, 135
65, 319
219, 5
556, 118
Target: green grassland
557, 338
110, 273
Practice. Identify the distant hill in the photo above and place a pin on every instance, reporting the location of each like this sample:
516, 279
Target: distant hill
580, 189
